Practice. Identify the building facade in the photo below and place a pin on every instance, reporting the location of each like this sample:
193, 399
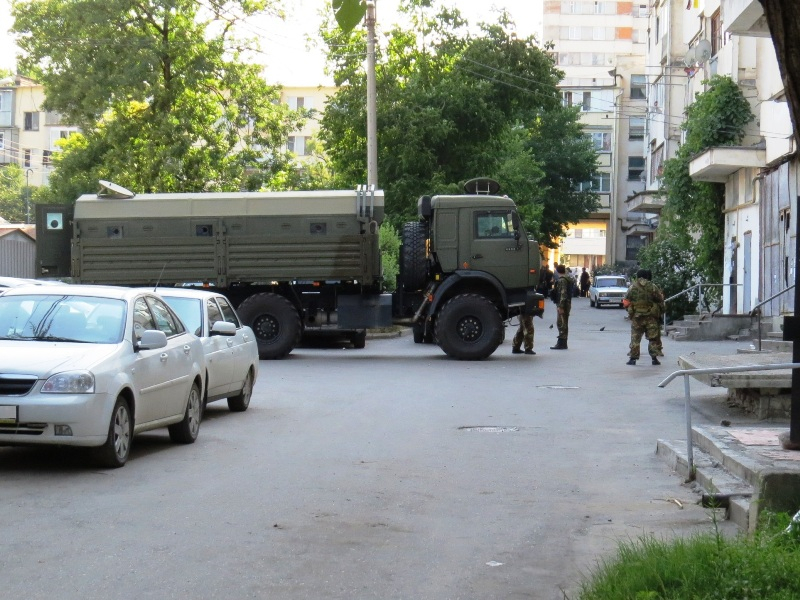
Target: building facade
313, 98
601, 47
28, 134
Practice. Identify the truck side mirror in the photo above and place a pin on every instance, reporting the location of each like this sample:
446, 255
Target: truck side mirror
515, 224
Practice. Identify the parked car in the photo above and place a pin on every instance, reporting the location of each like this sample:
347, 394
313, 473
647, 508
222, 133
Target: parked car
94, 365
230, 347
608, 290
10, 282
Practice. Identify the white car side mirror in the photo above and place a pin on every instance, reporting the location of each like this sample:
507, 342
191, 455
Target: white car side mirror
223, 328
152, 340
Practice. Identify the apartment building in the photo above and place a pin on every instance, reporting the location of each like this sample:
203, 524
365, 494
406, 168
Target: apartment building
601, 47
28, 134
761, 175
311, 98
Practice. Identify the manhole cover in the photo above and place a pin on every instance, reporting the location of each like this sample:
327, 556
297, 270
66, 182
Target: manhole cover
488, 429
559, 387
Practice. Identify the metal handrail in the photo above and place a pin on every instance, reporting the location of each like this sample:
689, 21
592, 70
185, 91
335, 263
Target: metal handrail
757, 310
686, 373
700, 294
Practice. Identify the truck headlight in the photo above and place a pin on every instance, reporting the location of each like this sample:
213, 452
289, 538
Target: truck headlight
70, 382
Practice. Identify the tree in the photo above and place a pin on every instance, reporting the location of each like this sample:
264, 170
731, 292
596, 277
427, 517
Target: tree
693, 214
159, 90
453, 105
12, 194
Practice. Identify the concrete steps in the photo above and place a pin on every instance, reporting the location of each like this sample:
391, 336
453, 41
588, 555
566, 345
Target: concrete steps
706, 326
744, 470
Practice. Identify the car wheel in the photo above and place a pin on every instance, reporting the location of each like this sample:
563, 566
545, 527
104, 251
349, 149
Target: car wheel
114, 453
186, 431
591, 302
241, 401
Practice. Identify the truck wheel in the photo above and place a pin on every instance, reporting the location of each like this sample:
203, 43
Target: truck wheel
414, 256
359, 339
469, 327
275, 322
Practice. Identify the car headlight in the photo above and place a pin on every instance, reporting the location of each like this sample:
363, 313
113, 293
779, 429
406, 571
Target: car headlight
602, 294
70, 382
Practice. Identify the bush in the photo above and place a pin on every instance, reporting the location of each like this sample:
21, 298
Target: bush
390, 256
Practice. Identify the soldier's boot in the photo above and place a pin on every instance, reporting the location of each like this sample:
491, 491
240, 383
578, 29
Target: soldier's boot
529, 351
561, 344
631, 362
656, 361
516, 351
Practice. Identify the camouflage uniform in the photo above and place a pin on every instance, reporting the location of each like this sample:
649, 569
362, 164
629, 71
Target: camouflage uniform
645, 310
564, 287
524, 333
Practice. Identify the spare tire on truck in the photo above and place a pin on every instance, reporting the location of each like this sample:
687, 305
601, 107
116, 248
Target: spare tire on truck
414, 256
275, 322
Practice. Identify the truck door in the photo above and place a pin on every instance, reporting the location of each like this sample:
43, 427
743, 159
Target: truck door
495, 249
53, 240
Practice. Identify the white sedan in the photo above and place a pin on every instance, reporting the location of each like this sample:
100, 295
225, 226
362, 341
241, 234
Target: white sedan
230, 346
608, 290
94, 365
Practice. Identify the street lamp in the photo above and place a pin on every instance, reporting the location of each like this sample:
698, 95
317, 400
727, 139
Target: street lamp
28, 195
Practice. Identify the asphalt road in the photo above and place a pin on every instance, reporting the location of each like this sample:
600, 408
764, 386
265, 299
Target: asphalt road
389, 472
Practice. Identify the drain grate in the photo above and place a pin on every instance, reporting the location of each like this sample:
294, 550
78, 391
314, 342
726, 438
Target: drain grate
488, 428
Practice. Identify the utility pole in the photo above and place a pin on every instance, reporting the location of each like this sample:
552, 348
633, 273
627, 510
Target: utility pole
28, 195
372, 128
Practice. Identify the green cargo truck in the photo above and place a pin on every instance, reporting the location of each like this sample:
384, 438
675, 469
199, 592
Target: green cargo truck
295, 262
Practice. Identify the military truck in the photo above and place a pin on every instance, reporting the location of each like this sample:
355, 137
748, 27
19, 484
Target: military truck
295, 262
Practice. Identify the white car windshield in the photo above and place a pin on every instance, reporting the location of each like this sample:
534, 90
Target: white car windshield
62, 318
614, 282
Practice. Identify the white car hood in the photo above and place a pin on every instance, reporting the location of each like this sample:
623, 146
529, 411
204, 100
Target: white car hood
45, 358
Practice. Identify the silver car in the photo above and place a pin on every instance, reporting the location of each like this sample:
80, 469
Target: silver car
608, 290
94, 365
230, 347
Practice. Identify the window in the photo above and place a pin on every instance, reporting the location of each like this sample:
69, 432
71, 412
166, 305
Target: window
26, 158
657, 163
298, 144
214, 313
164, 318
640, 10
228, 314
2, 140
586, 105
5, 108
633, 244
47, 156
638, 87
636, 128
717, 39
601, 141
489, 224
31, 121
635, 168
602, 183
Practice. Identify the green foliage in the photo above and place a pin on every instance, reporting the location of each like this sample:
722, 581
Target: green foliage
453, 105
390, 256
708, 566
12, 194
162, 97
693, 213
671, 263
349, 13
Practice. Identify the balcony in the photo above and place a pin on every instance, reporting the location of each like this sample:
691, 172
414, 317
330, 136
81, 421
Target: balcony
745, 17
717, 164
648, 201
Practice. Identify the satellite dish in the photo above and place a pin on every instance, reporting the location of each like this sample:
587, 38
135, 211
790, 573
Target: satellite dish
703, 51
112, 190
690, 57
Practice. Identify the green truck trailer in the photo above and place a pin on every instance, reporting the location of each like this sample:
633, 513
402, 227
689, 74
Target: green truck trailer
295, 262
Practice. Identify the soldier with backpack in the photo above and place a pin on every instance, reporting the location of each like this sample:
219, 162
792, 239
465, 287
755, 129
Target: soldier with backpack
645, 305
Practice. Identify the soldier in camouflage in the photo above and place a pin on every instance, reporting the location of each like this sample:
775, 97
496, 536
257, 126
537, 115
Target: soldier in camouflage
524, 335
645, 305
563, 289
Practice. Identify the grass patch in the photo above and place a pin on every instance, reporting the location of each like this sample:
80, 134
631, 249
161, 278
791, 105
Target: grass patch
763, 566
